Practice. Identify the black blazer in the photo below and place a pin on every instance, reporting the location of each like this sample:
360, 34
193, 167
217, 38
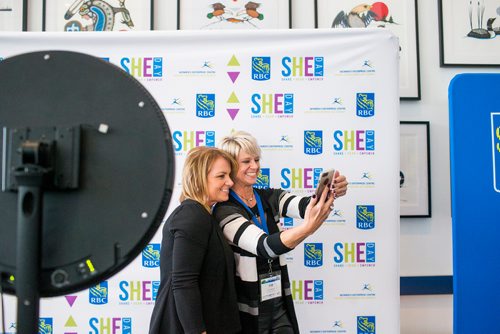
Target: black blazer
196, 291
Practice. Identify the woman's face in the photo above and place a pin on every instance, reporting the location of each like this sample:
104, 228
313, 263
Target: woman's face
219, 181
248, 169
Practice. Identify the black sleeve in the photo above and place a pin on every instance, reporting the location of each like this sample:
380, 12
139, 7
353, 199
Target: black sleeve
191, 229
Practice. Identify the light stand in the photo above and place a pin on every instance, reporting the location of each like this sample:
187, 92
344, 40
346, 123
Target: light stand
30, 199
31, 168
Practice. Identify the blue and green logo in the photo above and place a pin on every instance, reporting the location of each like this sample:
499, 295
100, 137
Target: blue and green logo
365, 217
205, 105
313, 142
366, 325
261, 68
313, 255
365, 104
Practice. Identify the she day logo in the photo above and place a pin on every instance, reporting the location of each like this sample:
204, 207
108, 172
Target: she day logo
362, 141
115, 325
138, 291
307, 290
354, 254
143, 67
305, 178
274, 104
308, 67
186, 140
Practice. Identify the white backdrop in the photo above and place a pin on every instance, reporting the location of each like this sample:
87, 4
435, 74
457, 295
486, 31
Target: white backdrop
322, 99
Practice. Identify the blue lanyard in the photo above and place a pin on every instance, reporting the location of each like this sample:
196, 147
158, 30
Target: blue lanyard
262, 224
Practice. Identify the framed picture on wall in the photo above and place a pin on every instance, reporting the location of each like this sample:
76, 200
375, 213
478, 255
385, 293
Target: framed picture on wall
399, 16
97, 15
467, 32
13, 15
234, 14
414, 174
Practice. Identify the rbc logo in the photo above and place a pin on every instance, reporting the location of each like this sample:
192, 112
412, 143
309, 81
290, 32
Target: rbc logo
263, 179
307, 290
151, 256
261, 68
313, 142
365, 104
354, 140
366, 324
147, 67
45, 326
186, 140
303, 66
365, 217
313, 254
98, 295
110, 325
205, 105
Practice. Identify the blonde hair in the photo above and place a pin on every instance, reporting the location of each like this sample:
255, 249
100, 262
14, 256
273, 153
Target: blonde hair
198, 164
237, 141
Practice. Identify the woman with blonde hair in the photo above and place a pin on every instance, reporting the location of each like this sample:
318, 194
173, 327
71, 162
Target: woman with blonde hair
250, 221
197, 293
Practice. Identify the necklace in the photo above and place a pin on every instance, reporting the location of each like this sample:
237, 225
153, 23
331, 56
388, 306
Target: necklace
249, 199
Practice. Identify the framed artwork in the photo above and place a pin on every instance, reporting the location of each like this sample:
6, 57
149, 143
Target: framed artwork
13, 15
97, 15
467, 31
414, 174
234, 14
399, 16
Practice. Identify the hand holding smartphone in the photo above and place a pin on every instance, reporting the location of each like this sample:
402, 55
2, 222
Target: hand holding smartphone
326, 179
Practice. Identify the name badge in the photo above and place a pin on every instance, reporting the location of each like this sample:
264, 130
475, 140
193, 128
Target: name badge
270, 285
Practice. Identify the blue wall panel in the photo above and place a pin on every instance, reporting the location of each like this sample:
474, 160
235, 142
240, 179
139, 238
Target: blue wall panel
474, 101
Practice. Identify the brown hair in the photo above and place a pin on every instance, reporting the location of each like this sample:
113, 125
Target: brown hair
198, 163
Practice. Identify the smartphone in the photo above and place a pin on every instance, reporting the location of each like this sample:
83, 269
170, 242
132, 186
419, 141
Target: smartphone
325, 179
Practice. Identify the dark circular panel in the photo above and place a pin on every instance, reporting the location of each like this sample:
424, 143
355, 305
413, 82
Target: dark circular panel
113, 192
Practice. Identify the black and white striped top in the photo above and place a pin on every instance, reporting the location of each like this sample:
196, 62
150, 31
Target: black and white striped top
255, 251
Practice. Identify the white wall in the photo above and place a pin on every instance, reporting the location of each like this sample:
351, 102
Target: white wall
426, 248
427, 314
